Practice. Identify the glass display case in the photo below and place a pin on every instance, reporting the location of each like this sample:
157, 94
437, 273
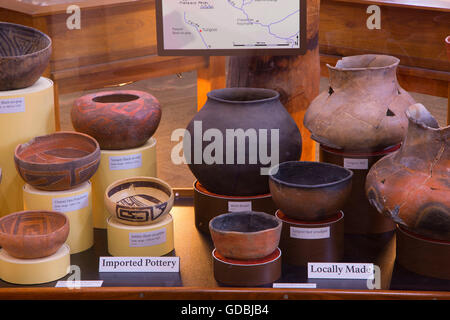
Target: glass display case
104, 56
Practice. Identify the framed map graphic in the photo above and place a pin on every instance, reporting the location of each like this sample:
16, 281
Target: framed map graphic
231, 27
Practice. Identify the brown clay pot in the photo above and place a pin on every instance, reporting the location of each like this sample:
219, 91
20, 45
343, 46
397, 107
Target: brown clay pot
364, 108
310, 191
117, 119
58, 161
33, 234
139, 200
24, 54
412, 185
245, 235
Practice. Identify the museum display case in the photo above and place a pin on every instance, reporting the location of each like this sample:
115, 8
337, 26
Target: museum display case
224, 149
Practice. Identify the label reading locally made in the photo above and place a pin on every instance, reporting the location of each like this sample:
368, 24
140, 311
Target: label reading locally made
13, 105
131, 161
75, 284
320, 270
358, 164
234, 206
72, 203
147, 239
310, 233
139, 264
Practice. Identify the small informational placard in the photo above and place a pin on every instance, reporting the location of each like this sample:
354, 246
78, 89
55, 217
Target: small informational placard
294, 286
320, 270
72, 203
356, 164
132, 161
139, 264
310, 233
13, 105
239, 206
147, 239
79, 284
226, 28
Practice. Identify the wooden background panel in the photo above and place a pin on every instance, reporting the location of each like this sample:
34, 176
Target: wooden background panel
416, 36
106, 34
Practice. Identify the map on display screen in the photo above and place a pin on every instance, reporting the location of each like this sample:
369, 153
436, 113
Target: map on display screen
231, 27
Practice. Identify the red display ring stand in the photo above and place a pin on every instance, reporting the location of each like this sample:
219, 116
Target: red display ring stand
360, 216
250, 273
305, 241
208, 205
423, 255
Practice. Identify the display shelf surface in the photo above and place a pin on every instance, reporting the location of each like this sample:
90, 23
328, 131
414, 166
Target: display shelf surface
196, 277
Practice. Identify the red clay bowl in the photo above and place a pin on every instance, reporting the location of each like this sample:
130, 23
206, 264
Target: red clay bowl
447, 44
33, 234
121, 119
310, 191
58, 161
245, 235
24, 54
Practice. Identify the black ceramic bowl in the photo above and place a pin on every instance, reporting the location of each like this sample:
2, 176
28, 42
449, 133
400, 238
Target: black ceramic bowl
24, 54
310, 191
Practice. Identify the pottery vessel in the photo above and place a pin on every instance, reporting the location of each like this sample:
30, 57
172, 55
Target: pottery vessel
245, 235
24, 55
235, 123
33, 234
117, 119
412, 185
139, 200
58, 161
310, 191
364, 107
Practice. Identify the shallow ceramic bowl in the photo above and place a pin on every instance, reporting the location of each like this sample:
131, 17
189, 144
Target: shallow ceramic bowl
139, 200
33, 234
122, 119
310, 191
245, 235
59, 161
24, 54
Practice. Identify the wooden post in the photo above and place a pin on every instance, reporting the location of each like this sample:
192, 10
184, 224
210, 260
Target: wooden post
296, 78
210, 78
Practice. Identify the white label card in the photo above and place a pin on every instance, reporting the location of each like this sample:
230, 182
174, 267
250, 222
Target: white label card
13, 105
147, 239
310, 233
72, 203
132, 161
358, 164
139, 264
294, 286
239, 206
319, 270
79, 284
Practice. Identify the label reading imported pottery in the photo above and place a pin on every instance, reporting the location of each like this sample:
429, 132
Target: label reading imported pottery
358, 164
139, 264
234, 206
310, 233
147, 239
132, 161
13, 105
72, 203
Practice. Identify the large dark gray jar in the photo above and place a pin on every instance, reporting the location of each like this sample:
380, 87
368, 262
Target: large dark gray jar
251, 115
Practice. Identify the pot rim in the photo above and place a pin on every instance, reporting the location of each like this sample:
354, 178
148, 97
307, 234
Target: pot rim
66, 222
26, 144
418, 122
212, 95
395, 63
266, 215
140, 178
34, 30
308, 186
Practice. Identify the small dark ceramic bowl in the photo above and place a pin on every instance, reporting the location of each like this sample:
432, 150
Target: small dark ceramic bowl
24, 54
33, 234
58, 161
245, 235
139, 200
310, 191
